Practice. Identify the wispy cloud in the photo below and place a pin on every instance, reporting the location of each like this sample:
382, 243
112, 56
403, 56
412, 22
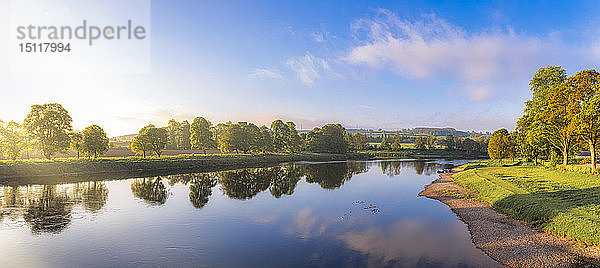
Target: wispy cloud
432, 47
264, 74
309, 68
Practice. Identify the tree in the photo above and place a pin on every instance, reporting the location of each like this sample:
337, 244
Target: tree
586, 87
397, 144
359, 141
49, 125
280, 133
185, 142
328, 139
500, 146
77, 143
173, 135
449, 142
265, 139
12, 140
150, 139
385, 144
285, 137
201, 136
95, 141
430, 142
558, 119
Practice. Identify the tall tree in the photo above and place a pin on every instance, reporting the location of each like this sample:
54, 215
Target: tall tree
328, 139
359, 141
173, 135
500, 145
185, 142
586, 88
280, 133
49, 125
201, 135
386, 143
558, 119
77, 142
12, 140
150, 139
95, 141
265, 139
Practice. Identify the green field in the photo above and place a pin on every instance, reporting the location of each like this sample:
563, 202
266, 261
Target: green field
564, 203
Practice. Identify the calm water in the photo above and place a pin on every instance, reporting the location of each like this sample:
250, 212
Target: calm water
344, 214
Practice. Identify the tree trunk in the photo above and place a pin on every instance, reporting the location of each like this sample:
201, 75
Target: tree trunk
593, 156
565, 153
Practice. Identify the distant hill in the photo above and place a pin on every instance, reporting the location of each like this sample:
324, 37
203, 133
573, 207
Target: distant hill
421, 131
127, 137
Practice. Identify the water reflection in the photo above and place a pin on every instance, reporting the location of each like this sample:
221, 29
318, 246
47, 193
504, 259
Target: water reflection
151, 190
201, 189
421, 167
48, 208
333, 175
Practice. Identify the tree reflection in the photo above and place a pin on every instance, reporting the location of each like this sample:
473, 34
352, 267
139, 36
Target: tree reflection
94, 195
201, 189
391, 168
153, 191
333, 175
284, 180
419, 167
50, 212
244, 183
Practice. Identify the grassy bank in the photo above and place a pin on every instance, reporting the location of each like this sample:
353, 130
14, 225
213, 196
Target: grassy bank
22, 170
428, 153
565, 203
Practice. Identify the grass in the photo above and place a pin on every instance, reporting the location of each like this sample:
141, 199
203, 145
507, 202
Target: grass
565, 203
18, 171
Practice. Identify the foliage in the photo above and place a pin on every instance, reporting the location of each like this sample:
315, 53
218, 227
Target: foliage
150, 139
586, 85
12, 140
76, 142
359, 141
328, 139
94, 141
201, 134
500, 145
285, 137
49, 125
420, 143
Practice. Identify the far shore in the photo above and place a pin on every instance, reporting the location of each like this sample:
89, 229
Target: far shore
67, 170
504, 239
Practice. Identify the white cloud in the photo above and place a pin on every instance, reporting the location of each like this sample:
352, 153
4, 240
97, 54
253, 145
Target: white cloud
433, 48
310, 68
264, 74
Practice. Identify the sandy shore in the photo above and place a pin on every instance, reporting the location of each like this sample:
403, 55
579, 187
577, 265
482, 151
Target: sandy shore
508, 241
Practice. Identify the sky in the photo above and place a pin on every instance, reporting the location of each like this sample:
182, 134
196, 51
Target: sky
366, 64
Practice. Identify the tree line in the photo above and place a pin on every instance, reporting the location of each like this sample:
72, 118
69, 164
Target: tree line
561, 118
48, 130
430, 142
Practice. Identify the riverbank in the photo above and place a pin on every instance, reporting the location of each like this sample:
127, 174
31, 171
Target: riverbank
427, 154
73, 170
509, 241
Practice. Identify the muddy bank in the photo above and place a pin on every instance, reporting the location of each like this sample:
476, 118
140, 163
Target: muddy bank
508, 241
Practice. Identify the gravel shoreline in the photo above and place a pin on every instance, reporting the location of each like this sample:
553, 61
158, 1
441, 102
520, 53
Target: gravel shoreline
504, 239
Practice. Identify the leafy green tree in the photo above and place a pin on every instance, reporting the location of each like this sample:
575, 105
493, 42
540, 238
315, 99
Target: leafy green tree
397, 144
173, 135
201, 134
386, 143
285, 137
359, 141
328, 139
150, 139
49, 125
449, 142
558, 119
265, 139
586, 87
12, 140
500, 146
77, 142
95, 141
185, 142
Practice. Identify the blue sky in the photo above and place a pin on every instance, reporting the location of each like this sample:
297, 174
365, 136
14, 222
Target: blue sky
372, 64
